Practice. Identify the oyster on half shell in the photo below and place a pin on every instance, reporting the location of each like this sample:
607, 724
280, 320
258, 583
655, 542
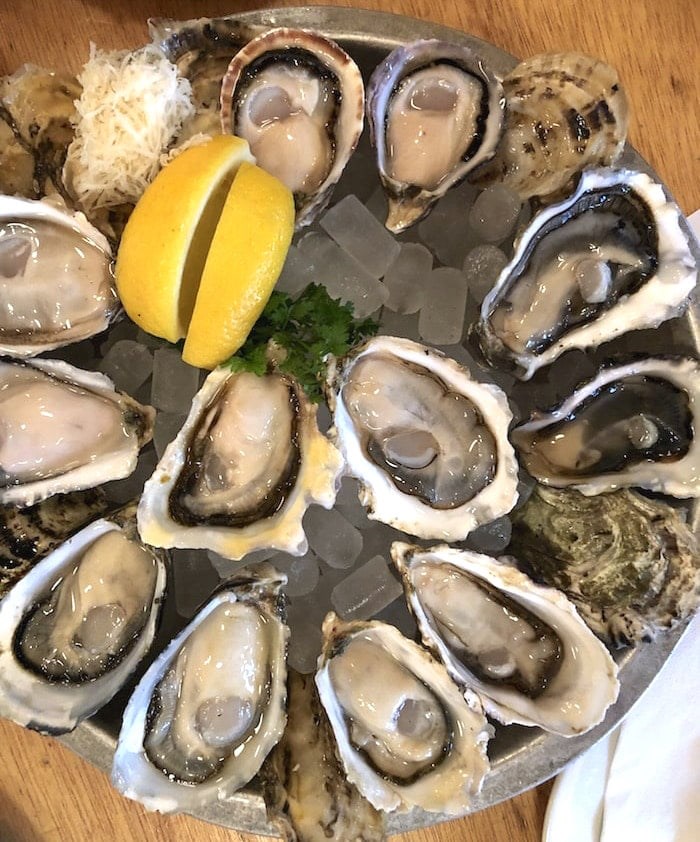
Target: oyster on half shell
210, 708
630, 564
56, 281
632, 425
428, 444
610, 258
298, 99
64, 429
405, 734
242, 471
78, 624
521, 646
435, 113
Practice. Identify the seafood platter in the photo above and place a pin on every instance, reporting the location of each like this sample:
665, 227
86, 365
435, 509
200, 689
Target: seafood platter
419, 579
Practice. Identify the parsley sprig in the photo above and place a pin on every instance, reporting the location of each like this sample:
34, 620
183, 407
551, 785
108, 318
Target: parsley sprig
297, 335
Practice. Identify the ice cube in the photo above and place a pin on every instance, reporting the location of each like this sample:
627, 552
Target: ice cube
348, 504
343, 276
195, 580
128, 364
167, 426
298, 272
482, 266
494, 213
121, 491
226, 567
441, 319
396, 324
377, 204
491, 538
333, 538
361, 235
366, 591
304, 646
174, 382
406, 278
360, 178
302, 572
116, 332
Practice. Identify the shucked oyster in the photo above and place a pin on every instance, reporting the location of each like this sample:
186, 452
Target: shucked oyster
610, 258
64, 429
522, 647
209, 710
630, 565
56, 282
242, 471
564, 112
404, 732
428, 444
435, 113
298, 99
632, 425
78, 624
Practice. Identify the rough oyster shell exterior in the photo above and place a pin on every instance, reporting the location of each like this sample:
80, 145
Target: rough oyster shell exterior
630, 564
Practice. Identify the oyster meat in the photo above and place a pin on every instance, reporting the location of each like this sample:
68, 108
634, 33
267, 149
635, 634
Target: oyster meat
521, 646
78, 624
610, 258
298, 99
630, 565
64, 429
27, 535
211, 707
435, 113
56, 281
632, 425
242, 471
564, 112
428, 444
405, 734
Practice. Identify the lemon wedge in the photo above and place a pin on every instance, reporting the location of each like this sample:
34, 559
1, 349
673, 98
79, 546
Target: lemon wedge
166, 241
245, 259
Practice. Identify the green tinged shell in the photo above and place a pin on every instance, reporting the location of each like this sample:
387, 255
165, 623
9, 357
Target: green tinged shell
630, 564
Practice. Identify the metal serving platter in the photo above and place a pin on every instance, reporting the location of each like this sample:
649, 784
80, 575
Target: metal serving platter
520, 757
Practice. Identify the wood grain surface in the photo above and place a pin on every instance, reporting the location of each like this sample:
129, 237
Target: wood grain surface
46, 793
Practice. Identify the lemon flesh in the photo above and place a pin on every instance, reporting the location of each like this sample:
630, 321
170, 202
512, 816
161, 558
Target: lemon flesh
167, 238
245, 258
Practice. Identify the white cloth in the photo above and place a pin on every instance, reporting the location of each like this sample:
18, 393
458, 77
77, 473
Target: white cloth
642, 782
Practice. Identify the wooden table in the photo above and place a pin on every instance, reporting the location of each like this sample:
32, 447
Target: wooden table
48, 794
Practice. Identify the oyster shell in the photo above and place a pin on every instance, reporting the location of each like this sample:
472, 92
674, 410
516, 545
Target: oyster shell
632, 425
522, 647
564, 112
404, 733
77, 625
65, 429
27, 535
242, 471
629, 564
211, 707
202, 49
56, 281
298, 99
37, 114
428, 444
435, 113
306, 793
610, 258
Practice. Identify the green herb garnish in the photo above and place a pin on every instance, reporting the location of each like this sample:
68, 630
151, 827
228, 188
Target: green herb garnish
297, 335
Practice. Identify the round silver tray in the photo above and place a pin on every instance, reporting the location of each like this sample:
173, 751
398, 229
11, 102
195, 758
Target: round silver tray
520, 757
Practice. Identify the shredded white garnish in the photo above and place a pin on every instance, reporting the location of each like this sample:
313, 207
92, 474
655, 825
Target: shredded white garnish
132, 106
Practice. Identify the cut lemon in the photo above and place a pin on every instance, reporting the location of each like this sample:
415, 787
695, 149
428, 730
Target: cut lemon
166, 240
245, 258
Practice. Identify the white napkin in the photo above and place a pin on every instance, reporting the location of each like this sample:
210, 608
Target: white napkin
641, 783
